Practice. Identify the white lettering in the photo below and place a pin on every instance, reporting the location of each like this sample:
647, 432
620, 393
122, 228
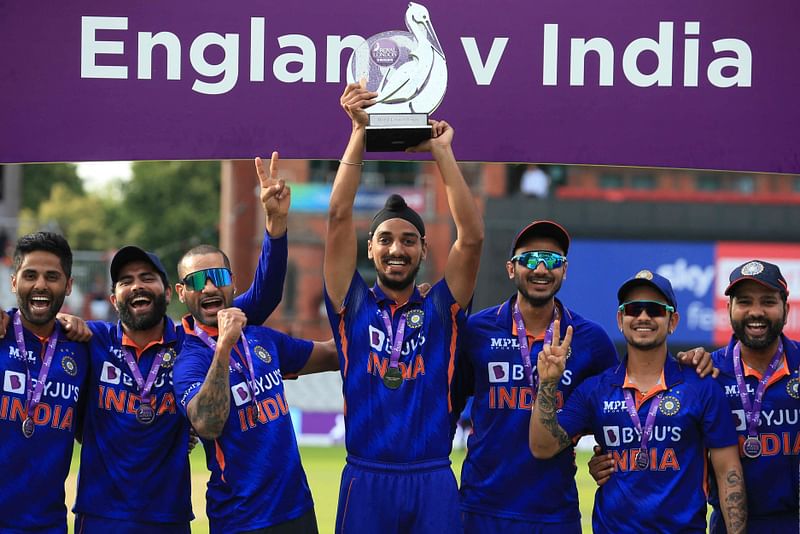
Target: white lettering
307, 58
483, 72
91, 47
333, 57
228, 67
172, 46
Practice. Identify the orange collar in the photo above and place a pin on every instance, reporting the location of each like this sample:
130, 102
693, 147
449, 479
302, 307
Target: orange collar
779, 373
189, 328
640, 396
531, 338
137, 349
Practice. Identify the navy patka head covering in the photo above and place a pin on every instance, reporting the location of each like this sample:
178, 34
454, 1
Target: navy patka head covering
396, 208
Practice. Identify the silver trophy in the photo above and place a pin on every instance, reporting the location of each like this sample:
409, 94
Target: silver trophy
408, 70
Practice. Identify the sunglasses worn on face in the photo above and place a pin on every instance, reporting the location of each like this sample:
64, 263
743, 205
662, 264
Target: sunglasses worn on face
532, 258
634, 308
196, 281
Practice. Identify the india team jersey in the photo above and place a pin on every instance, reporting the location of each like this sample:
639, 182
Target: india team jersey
772, 478
499, 476
140, 473
256, 476
669, 495
34, 468
410, 423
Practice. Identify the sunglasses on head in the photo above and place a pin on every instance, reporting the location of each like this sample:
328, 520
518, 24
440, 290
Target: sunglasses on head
634, 308
196, 281
532, 258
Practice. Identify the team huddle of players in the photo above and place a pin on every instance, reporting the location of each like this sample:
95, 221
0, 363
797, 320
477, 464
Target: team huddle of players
540, 376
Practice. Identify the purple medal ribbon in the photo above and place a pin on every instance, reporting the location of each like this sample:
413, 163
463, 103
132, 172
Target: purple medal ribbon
649, 423
524, 349
144, 385
249, 375
754, 411
395, 339
33, 394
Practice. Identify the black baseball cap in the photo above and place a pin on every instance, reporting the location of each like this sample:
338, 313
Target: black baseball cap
549, 229
131, 253
765, 273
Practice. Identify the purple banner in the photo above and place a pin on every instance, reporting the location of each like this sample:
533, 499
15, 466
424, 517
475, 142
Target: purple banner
689, 84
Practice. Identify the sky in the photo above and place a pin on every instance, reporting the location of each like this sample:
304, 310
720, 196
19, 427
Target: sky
97, 174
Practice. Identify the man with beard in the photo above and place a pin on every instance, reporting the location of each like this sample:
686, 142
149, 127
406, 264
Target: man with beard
43, 374
503, 488
658, 419
134, 472
229, 383
396, 347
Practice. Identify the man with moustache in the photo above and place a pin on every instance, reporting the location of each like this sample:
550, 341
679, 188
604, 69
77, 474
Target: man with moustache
134, 472
659, 418
229, 382
396, 347
43, 376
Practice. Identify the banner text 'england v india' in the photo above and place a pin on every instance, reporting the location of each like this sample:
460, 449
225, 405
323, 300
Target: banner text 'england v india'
673, 84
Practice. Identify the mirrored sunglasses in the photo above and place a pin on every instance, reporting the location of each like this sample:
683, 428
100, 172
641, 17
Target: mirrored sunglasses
532, 258
196, 281
634, 308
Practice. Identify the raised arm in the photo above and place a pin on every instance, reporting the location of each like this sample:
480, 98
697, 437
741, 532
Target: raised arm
340, 242
730, 481
264, 295
323, 358
461, 271
546, 438
208, 410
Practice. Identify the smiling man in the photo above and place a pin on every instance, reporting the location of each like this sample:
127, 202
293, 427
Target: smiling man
43, 375
134, 472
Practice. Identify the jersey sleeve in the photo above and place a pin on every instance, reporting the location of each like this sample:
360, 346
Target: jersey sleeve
463, 383
266, 291
189, 373
576, 415
293, 353
719, 429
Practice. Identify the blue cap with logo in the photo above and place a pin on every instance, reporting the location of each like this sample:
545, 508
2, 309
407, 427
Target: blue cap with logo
651, 279
765, 273
131, 253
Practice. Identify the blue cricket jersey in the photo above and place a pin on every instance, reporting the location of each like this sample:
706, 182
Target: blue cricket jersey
140, 473
772, 478
499, 476
411, 423
256, 477
669, 496
34, 469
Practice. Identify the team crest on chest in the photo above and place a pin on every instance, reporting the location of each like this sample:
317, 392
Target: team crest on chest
793, 388
69, 365
669, 405
262, 354
168, 360
414, 318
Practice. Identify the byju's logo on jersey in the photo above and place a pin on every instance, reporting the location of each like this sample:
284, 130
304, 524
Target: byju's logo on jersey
498, 372
376, 339
241, 393
739, 419
110, 374
14, 382
611, 436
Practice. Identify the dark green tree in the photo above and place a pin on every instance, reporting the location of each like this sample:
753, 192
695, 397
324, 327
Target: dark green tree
38, 180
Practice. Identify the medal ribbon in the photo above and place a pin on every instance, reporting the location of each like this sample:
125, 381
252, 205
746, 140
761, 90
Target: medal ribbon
249, 374
753, 411
649, 423
34, 394
144, 386
524, 349
395, 339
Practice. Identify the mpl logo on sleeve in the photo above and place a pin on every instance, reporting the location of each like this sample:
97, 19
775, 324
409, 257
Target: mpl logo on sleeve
110, 374
241, 393
14, 382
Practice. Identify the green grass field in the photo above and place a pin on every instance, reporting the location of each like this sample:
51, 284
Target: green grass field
323, 467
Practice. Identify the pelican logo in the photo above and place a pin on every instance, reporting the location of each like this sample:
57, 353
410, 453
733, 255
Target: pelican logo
14, 382
168, 360
262, 354
752, 268
669, 405
611, 436
69, 365
793, 388
384, 52
644, 274
415, 318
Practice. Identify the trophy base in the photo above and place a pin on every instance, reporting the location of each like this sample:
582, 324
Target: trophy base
395, 132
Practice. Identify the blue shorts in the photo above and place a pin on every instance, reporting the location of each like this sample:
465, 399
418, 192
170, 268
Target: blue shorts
92, 524
419, 498
487, 524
